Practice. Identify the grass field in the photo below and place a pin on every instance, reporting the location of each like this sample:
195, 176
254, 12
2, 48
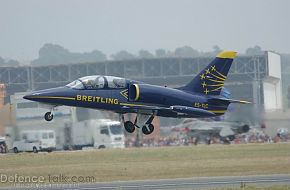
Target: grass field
153, 163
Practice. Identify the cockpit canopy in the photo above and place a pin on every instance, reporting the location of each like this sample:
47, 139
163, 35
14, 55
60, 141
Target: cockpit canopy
98, 82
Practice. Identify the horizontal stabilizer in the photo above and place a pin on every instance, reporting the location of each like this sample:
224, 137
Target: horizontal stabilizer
240, 101
227, 101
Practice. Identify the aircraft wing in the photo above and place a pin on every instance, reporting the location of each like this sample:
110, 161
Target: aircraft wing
176, 109
201, 131
224, 131
144, 107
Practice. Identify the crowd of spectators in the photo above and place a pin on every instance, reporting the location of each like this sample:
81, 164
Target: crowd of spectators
254, 136
156, 142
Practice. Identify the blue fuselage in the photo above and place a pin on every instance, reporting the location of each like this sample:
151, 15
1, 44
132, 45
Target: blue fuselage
118, 100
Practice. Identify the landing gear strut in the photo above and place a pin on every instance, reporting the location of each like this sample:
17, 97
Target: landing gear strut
48, 116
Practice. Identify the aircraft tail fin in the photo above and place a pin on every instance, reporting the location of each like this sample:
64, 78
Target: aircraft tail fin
210, 80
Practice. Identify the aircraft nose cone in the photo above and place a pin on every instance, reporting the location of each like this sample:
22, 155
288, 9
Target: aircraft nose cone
30, 96
47, 95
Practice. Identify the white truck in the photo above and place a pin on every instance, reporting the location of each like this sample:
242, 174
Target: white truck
98, 133
35, 140
108, 134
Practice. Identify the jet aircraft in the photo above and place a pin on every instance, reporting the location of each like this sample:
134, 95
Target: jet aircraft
206, 130
198, 99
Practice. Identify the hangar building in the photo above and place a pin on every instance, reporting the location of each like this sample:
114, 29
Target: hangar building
254, 78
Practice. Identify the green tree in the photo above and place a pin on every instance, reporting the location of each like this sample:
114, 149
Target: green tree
96, 55
2, 61
216, 49
52, 54
123, 55
160, 53
257, 50
186, 51
12, 62
144, 54
8, 63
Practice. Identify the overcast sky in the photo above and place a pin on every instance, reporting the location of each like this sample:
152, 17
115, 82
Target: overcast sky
111, 26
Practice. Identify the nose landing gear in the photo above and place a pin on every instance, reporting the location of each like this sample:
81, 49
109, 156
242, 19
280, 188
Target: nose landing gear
48, 116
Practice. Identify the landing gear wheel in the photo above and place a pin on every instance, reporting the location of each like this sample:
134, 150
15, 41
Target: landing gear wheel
48, 116
129, 126
148, 129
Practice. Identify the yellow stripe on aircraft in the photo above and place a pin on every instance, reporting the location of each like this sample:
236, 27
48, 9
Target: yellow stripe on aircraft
217, 81
55, 97
215, 85
217, 111
128, 104
221, 78
221, 75
216, 89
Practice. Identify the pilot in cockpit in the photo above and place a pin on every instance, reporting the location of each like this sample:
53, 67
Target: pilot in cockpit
99, 82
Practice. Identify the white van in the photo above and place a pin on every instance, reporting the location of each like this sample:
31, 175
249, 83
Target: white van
108, 134
41, 140
26, 146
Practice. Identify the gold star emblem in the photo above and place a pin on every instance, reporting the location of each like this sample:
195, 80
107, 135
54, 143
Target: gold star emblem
202, 76
206, 91
213, 68
203, 84
207, 71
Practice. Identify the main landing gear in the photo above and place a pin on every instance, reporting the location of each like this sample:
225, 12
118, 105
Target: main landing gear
147, 128
129, 126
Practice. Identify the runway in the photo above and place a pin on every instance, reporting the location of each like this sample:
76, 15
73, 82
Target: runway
181, 184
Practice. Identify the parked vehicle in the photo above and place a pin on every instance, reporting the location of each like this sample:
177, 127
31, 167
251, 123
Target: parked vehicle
108, 134
35, 140
26, 146
98, 133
